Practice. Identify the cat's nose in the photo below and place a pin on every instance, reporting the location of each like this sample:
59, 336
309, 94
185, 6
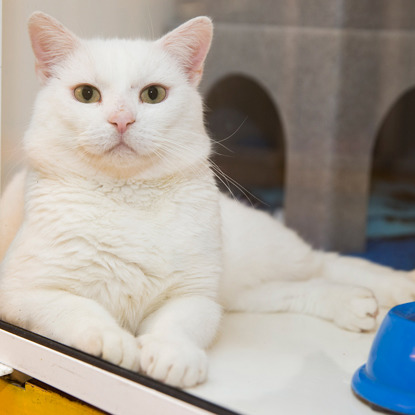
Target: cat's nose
121, 120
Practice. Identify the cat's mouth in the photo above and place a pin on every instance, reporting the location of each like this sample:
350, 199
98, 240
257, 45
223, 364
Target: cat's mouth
121, 147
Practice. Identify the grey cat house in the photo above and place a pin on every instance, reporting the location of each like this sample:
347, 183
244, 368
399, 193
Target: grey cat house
333, 70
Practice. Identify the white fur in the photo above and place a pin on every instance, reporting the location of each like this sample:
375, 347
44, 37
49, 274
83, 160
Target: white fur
128, 253
11, 211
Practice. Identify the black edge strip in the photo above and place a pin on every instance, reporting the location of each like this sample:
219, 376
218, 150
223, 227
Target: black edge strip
117, 370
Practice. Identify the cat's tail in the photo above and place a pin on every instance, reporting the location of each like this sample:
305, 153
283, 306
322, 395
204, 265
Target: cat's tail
11, 210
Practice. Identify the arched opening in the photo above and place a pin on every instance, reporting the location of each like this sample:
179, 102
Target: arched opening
391, 213
248, 141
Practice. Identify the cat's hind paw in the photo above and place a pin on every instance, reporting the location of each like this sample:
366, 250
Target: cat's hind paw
111, 344
397, 289
173, 361
356, 309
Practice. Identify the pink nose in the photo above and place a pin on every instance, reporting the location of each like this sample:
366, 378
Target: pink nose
121, 120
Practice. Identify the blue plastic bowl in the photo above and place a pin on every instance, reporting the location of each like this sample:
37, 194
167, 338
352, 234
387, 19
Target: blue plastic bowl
387, 380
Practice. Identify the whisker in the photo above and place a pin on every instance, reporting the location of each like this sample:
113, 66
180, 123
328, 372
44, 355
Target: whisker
149, 19
214, 151
173, 147
224, 182
223, 145
170, 150
238, 186
214, 141
231, 135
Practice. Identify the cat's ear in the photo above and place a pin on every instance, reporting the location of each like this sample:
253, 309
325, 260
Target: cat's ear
189, 44
51, 43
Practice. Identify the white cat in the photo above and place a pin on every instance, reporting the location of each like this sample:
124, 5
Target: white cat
126, 249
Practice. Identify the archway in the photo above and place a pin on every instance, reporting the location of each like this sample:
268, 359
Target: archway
248, 135
391, 213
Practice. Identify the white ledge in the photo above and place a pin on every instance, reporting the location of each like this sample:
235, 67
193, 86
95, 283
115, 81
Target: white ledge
103, 389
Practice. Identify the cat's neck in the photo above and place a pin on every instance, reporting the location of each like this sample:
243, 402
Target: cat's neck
98, 181
147, 195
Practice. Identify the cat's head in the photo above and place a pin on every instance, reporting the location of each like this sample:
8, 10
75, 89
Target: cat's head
119, 107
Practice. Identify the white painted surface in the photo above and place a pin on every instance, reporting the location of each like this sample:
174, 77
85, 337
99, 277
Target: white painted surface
261, 365
285, 364
107, 391
5, 370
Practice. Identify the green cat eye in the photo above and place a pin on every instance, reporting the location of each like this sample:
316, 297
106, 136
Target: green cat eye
153, 94
87, 94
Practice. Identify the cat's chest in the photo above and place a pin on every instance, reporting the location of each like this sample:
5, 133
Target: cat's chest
130, 249
148, 230
158, 231
147, 235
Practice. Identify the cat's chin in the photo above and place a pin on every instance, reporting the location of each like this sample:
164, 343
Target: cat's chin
127, 164
122, 162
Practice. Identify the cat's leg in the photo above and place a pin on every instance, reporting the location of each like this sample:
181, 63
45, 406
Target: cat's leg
269, 268
11, 211
389, 286
350, 307
73, 320
258, 248
259, 251
173, 340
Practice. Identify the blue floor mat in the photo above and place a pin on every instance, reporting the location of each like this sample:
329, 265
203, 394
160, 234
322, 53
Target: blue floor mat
391, 211
395, 253
390, 221
391, 225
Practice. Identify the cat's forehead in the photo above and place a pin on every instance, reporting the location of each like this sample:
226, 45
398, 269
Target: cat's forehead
124, 62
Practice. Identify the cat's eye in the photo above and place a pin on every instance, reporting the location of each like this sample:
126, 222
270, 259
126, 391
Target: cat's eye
87, 94
153, 94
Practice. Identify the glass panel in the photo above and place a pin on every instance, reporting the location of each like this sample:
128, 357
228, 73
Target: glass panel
309, 106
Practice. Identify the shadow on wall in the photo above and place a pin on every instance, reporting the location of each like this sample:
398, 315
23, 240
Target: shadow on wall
392, 197
249, 144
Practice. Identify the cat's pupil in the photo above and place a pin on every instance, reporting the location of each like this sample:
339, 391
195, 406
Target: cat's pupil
87, 93
153, 93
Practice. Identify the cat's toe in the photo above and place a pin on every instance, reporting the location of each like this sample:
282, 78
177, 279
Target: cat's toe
172, 361
121, 349
357, 310
111, 344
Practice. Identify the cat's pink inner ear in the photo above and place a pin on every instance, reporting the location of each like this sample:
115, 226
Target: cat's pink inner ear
51, 43
189, 44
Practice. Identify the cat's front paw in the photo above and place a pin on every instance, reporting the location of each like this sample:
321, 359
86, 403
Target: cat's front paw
112, 344
176, 362
356, 309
